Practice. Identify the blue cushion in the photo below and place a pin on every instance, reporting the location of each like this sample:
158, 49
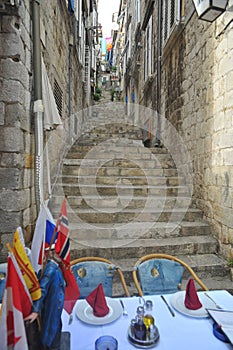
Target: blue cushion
160, 276
2, 284
89, 274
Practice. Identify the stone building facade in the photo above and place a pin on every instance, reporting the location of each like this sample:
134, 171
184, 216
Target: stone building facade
66, 46
181, 67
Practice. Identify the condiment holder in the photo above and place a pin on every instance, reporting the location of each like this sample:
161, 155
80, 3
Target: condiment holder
143, 332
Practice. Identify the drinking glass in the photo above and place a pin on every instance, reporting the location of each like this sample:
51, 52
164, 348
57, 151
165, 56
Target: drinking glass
106, 342
149, 305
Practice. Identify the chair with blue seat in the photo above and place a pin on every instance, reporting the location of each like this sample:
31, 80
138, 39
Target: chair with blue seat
161, 274
90, 271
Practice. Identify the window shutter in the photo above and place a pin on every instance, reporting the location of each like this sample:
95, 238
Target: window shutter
171, 18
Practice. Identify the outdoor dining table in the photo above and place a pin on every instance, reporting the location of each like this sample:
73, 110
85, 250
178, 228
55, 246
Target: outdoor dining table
181, 332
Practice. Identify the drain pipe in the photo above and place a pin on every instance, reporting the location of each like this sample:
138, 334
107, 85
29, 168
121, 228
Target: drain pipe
159, 58
70, 89
38, 104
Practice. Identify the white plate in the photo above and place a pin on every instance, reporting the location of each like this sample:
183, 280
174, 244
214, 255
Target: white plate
85, 312
177, 301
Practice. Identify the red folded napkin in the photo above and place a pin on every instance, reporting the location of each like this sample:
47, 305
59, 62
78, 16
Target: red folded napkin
191, 298
98, 302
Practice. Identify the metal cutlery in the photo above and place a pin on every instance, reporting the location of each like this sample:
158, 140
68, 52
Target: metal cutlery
168, 306
70, 319
216, 305
125, 313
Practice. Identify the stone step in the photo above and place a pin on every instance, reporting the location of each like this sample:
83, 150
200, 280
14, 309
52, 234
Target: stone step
75, 170
135, 215
108, 131
136, 230
120, 162
95, 137
122, 201
109, 190
133, 248
118, 145
116, 180
109, 152
126, 200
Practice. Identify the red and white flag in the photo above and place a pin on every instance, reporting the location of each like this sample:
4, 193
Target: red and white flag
62, 247
72, 292
15, 307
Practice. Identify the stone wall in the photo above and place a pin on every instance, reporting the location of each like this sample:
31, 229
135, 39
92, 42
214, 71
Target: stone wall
60, 54
198, 101
17, 203
17, 149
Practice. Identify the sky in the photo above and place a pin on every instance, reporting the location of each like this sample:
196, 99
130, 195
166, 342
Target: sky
105, 10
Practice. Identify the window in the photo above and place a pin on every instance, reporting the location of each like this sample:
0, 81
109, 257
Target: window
148, 70
171, 17
58, 95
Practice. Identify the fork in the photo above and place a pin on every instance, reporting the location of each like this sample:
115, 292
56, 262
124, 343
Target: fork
216, 305
125, 313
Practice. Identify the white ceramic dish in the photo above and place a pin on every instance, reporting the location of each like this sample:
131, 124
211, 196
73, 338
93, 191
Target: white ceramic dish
84, 312
177, 301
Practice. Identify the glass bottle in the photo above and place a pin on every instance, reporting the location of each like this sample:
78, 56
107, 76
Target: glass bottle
152, 332
148, 320
140, 328
132, 326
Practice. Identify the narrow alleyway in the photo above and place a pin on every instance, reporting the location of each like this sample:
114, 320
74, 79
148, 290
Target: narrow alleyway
126, 200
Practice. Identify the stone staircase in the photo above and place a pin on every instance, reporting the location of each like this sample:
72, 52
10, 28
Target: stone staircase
125, 200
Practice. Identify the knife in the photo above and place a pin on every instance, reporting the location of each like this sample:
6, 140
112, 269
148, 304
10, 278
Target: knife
168, 306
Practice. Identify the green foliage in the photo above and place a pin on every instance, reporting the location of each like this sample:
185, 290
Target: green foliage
97, 97
98, 90
230, 262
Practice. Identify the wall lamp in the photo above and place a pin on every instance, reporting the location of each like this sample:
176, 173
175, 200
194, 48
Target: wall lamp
210, 10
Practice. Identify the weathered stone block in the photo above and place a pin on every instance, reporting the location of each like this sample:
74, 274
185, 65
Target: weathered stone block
12, 91
17, 115
9, 221
11, 140
12, 46
12, 160
14, 200
10, 178
16, 70
28, 178
2, 113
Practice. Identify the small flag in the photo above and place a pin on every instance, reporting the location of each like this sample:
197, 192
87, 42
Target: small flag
72, 292
16, 306
25, 266
62, 248
62, 245
44, 221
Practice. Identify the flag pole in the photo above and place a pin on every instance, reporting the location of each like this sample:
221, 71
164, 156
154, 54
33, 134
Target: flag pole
9, 247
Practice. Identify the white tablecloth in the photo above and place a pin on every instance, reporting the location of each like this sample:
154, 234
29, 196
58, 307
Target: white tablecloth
176, 333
